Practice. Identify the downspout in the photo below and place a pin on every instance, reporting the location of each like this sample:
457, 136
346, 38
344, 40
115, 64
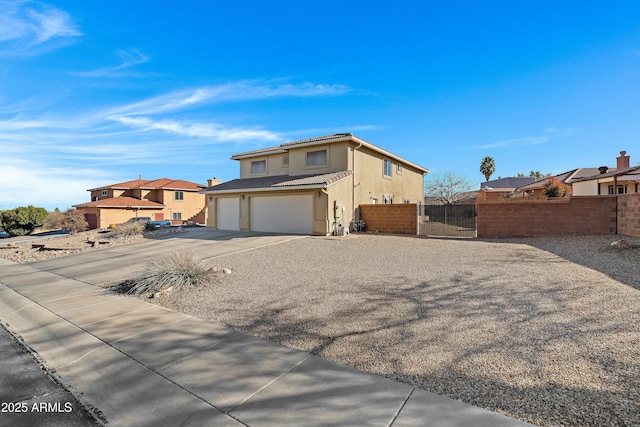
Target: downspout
326, 225
353, 182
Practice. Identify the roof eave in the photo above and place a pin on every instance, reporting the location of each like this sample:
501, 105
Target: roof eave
266, 189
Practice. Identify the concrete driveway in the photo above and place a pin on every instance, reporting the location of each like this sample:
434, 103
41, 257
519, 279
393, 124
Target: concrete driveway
121, 262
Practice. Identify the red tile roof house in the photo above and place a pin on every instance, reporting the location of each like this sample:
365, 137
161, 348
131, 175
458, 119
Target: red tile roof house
159, 199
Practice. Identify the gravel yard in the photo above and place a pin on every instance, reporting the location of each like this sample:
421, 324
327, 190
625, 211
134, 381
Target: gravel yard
543, 330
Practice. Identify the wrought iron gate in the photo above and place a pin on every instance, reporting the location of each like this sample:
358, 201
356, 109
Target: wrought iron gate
447, 220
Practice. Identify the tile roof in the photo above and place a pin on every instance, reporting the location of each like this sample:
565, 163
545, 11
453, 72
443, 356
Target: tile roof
509, 182
154, 184
281, 147
318, 139
611, 173
121, 202
564, 177
279, 182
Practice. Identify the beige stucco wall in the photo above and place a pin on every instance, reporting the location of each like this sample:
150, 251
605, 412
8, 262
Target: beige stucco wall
108, 216
370, 182
336, 158
584, 188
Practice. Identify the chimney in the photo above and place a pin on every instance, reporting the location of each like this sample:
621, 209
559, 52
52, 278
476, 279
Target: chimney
623, 160
603, 169
213, 182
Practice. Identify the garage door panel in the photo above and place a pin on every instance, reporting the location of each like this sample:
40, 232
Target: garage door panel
282, 214
228, 213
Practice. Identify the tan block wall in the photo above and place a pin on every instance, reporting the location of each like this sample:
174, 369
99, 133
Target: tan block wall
629, 214
106, 217
397, 219
554, 217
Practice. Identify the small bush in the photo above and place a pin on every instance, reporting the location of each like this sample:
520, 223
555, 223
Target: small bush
129, 229
73, 221
177, 271
54, 220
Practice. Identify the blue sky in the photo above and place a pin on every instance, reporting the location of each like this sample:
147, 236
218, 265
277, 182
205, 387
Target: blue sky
93, 93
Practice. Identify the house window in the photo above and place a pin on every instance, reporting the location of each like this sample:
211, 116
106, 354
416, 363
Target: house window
259, 167
178, 195
622, 189
317, 158
285, 159
398, 168
105, 193
176, 216
387, 168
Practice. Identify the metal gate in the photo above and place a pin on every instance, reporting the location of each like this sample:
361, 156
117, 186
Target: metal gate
447, 220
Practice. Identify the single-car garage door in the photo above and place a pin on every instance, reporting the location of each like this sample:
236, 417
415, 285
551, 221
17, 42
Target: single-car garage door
282, 214
228, 213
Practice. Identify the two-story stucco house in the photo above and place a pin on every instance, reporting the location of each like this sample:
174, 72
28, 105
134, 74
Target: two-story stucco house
159, 199
311, 186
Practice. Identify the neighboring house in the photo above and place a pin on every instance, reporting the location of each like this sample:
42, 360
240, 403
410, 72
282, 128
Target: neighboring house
501, 187
621, 180
160, 199
536, 189
311, 186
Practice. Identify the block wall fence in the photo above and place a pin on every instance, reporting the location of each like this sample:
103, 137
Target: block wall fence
573, 216
629, 214
396, 219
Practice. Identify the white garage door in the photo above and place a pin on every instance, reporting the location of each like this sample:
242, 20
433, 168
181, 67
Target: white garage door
228, 213
282, 214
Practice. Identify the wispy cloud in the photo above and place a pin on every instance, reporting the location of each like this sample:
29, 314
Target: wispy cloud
201, 130
25, 25
129, 58
529, 140
230, 92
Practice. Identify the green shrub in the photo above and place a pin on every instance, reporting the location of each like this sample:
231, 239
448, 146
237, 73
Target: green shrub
129, 229
23, 220
177, 271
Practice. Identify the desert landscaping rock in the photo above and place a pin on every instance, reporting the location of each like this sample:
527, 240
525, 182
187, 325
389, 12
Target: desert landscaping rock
542, 330
39, 250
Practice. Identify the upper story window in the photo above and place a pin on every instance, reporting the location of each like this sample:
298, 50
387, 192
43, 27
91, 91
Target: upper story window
398, 168
178, 195
105, 192
285, 159
317, 158
387, 168
622, 189
259, 166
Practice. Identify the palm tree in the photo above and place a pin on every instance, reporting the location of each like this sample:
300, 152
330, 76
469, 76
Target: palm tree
487, 167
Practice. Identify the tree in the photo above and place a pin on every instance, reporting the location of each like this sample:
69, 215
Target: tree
487, 167
448, 187
23, 220
539, 176
54, 220
73, 221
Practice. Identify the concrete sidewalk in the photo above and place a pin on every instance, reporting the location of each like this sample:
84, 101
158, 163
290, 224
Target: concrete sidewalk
140, 364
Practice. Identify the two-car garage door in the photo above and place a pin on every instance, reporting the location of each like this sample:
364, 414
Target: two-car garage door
282, 214
272, 214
